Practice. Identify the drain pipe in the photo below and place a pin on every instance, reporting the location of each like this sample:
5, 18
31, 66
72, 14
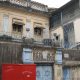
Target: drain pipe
62, 28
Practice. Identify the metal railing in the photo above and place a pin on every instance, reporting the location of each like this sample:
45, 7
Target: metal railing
21, 3
19, 37
10, 35
29, 3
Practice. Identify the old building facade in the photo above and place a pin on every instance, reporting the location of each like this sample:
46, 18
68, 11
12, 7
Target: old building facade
30, 34
65, 24
24, 28
27, 20
64, 28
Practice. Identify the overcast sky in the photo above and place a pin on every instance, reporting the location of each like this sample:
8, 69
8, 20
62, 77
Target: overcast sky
53, 3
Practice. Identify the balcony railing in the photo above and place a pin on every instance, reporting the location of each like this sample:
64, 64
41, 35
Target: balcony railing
10, 36
28, 3
20, 38
39, 6
21, 3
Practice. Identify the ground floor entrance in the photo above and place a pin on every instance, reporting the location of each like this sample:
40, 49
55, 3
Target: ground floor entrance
44, 73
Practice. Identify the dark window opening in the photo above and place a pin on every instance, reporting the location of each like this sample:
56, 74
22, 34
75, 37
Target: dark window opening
57, 38
38, 31
17, 28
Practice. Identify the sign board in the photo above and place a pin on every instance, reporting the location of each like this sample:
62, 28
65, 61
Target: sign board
66, 55
27, 56
18, 72
58, 56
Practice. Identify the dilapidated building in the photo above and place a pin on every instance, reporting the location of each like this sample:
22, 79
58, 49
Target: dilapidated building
65, 24
32, 33
71, 64
64, 28
24, 36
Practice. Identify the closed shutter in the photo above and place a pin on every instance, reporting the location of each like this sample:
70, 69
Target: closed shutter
5, 23
27, 56
58, 56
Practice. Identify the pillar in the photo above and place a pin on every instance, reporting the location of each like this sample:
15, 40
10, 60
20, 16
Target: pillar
57, 72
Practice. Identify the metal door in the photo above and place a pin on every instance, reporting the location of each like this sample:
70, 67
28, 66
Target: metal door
44, 73
66, 74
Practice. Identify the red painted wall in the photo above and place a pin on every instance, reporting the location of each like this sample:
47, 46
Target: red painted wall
18, 72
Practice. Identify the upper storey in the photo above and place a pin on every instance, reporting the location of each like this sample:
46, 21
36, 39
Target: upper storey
28, 3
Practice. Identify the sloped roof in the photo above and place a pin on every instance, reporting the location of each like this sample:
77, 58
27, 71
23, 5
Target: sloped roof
64, 7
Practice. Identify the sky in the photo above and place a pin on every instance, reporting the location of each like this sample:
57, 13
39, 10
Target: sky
53, 3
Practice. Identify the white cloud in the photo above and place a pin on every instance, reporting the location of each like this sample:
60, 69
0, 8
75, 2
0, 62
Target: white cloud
53, 3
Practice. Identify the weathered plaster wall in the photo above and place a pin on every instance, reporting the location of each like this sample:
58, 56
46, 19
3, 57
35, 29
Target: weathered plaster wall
29, 18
